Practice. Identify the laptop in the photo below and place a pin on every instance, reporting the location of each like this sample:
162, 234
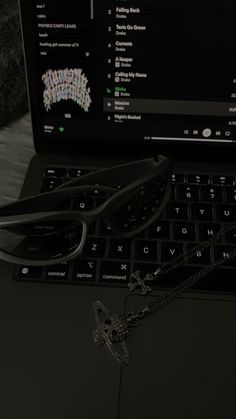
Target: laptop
110, 82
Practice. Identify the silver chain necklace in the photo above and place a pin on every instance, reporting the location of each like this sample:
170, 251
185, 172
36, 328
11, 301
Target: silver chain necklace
113, 329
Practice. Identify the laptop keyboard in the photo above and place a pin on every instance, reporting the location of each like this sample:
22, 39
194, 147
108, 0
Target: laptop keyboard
199, 207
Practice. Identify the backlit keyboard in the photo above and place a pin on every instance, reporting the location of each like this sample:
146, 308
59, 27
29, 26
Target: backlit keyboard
200, 206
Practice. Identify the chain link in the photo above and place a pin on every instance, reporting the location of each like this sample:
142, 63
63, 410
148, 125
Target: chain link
183, 258
188, 283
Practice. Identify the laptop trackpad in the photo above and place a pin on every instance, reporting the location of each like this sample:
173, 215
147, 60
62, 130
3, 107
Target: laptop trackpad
182, 362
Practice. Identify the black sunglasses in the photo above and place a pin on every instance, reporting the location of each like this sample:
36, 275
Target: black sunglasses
40, 231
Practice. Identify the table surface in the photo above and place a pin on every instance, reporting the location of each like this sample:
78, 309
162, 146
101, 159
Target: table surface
16, 151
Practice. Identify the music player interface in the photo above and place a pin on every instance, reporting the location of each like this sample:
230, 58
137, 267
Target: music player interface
165, 69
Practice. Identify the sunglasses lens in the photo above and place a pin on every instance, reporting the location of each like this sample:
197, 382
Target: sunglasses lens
41, 241
142, 207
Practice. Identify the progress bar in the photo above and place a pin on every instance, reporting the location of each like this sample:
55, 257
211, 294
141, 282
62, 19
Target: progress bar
92, 9
192, 139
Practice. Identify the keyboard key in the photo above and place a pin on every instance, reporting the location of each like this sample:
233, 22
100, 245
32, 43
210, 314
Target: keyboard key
160, 230
231, 236
188, 192
114, 272
225, 213
169, 250
145, 268
173, 193
99, 201
177, 178
49, 184
224, 251
30, 272
223, 180
104, 229
95, 247
201, 212
201, 257
212, 193
81, 203
148, 268
198, 179
92, 229
120, 249
74, 173
55, 172
84, 270
184, 231
177, 210
146, 250
57, 272
165, 280
97, 194
206, 231
230, 194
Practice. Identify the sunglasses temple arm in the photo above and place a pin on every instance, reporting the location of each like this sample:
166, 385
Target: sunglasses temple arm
114, 175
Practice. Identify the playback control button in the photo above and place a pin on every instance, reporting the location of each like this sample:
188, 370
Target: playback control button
207, 133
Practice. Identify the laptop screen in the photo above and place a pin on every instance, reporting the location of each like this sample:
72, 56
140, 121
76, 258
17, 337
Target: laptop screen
133, 70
